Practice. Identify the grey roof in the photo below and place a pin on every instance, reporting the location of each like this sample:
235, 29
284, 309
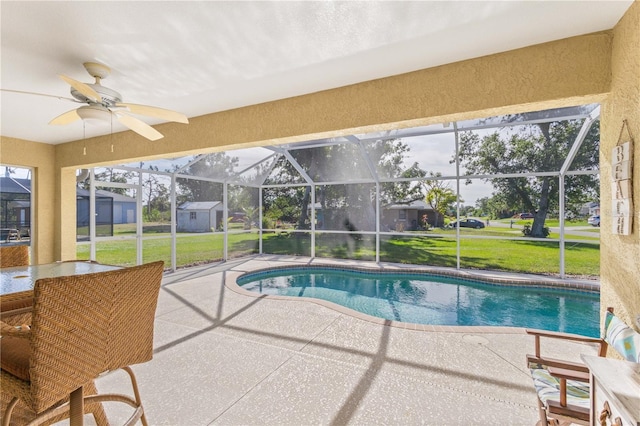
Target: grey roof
200, 205
23, 186
417, 204
15, 185
80, 192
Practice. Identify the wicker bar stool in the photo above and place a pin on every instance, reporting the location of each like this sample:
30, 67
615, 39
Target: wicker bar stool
14, 256
81, 327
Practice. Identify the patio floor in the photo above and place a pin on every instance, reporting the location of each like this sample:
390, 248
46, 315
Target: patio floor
223, 357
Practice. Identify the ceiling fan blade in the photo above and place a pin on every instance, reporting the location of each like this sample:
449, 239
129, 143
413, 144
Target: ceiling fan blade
140, 127
156, 112
83, 88
66, 118
38, 94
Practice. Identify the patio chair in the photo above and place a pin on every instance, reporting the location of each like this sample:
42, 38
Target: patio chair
563, 387
81, 327
14, 256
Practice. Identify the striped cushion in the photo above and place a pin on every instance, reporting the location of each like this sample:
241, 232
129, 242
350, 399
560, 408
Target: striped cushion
622, 338
548, 388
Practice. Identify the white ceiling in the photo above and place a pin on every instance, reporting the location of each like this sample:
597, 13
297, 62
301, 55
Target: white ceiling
203, 57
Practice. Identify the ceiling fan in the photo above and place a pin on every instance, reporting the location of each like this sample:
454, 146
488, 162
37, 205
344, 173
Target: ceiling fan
104, 103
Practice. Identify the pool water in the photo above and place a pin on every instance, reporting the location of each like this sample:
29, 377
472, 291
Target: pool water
436, 300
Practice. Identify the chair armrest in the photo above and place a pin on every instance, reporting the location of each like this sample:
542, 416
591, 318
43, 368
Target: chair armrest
558, 363
563, 336
569, 374
23, 331
4, 315
13, 301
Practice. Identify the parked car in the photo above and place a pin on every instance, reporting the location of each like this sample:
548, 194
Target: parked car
468, 223
594, 220
526, 215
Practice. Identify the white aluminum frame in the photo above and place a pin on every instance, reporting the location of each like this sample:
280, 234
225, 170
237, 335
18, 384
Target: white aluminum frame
284, 150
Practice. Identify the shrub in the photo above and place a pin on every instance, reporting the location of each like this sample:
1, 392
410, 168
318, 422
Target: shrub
526, 230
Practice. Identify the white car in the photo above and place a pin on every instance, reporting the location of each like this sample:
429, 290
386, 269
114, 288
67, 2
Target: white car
594, 220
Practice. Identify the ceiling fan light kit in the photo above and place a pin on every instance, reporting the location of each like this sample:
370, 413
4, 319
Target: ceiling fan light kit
94, 114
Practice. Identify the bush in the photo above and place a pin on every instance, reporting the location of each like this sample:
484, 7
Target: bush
526, 230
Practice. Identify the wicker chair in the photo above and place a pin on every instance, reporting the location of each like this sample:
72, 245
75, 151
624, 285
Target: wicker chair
14, 256
81, 327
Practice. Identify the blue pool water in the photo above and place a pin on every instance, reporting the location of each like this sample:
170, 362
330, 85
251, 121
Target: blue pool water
436, 300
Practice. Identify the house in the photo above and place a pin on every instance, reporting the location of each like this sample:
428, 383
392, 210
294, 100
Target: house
111, 208
408, 216
15, 204
199, 216
123, 207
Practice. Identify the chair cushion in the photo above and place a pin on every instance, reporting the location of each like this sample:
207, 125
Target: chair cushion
622, 338
14, 356
548, 388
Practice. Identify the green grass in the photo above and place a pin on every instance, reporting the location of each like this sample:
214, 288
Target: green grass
531, 256
535, 256
191, 250
548, 222
595, 230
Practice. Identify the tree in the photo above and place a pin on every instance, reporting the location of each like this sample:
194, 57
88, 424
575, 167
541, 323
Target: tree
496, 207
156, 193
439, 196
110, 175
534, 148
326, 162
217, 165
389, 156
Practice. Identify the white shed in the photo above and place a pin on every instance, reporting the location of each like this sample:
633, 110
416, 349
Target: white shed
199, 216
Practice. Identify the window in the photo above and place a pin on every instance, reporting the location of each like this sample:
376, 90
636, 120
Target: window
15, 205
402, 214
192, 215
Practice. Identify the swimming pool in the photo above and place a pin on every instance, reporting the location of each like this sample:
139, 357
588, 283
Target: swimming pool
437, 300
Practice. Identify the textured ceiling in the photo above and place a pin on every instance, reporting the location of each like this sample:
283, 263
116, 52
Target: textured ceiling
203, 57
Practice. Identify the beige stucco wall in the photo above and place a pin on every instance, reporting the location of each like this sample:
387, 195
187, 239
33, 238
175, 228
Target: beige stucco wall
620, 255
40, 157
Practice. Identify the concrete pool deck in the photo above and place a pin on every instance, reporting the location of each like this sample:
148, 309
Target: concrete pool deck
224, 357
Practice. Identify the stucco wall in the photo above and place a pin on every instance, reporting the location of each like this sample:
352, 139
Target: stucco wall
620, 255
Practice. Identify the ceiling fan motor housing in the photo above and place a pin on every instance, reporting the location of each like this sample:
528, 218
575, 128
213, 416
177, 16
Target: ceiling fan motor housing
109, 97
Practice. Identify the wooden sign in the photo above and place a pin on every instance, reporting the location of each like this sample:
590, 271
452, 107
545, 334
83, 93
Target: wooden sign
622, 189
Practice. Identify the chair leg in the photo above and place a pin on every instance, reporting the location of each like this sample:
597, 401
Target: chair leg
95, 408
8, 411
76, 407
136, 393
542, 414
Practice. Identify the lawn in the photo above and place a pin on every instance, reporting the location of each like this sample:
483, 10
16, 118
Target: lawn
531, 256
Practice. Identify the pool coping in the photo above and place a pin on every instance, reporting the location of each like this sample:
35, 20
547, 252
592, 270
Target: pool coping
488, 277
